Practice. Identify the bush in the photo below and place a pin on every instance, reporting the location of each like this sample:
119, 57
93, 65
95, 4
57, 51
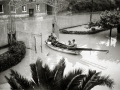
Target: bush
13, 56
109, 19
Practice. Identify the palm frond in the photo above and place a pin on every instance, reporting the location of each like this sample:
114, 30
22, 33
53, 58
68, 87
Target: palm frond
34, 73
72, 79
58, 76
106, 81
48, 74
62, 61
42, 75
75, 82
86, 79
102, 80
23, 82
71, 75
14, 85
92, 79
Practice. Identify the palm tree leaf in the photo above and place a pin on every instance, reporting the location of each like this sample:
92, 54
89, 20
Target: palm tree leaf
34, 73
58, 76
71, 75
86, 79
73, 84
48, 74
102, 80
14, 85
23, 82
58, 66
91, 77
42, 75
72, 80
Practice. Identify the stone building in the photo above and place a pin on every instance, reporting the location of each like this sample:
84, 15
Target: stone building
24, 8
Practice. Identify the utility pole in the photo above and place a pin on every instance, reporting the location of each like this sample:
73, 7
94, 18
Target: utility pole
41, 42
91, 11
11, 24
55, 4
54, 21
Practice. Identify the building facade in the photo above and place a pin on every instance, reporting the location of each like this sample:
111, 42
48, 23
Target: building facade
24, 8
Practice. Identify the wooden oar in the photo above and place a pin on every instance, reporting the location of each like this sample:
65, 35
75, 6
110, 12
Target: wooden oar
107, 51
87, 49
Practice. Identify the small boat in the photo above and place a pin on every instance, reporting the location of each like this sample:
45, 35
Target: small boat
75, 52
72, 50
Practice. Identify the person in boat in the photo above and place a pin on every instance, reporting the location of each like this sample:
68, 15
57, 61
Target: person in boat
74, 43
70, 44
49, 39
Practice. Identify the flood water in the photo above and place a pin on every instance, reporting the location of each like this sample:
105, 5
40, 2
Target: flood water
29, 30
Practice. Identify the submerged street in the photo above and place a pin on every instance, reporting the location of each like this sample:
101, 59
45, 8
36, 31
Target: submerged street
29, 30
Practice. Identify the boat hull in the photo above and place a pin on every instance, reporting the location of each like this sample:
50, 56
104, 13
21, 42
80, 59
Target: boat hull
75, 52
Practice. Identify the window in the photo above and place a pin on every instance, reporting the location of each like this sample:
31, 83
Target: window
1, 8
13, 10
24, 9
38, 7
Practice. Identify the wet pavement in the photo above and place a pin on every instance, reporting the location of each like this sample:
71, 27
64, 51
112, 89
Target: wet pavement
29, 30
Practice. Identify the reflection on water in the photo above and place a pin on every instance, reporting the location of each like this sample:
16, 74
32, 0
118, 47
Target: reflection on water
110, 42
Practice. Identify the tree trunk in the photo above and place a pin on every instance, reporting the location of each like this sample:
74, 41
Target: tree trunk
118, 28
110, 32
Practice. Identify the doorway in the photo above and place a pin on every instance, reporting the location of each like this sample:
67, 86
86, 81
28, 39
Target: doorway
31, 12
49, 10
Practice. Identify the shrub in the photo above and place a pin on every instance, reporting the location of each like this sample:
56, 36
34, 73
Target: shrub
109, 19
13, 56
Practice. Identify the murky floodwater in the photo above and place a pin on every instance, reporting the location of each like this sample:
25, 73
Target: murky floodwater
29, 31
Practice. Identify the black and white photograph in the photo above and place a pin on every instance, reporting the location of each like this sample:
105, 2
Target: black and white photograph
59, 44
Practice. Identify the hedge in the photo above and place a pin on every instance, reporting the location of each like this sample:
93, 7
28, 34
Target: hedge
13, 56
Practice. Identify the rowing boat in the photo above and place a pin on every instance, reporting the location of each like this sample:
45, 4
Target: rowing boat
75, 52
72, 50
